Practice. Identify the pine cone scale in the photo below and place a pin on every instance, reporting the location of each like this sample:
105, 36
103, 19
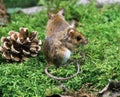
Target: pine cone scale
6, 55
14, 50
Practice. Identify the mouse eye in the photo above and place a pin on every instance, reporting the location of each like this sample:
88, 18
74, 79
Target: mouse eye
78, 38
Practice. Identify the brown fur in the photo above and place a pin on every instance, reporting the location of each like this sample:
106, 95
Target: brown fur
56, 23
56, 45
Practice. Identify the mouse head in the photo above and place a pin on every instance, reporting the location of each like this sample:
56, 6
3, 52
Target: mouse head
74, 36
58, 16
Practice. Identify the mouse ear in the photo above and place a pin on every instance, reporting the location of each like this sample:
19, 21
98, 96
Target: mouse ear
70, 32
73, 24
61, 12
50, 15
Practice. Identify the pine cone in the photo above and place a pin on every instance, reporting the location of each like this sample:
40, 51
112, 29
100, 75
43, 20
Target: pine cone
19, 46
4, 16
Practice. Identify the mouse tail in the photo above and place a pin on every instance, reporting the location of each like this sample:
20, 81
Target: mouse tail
62, 78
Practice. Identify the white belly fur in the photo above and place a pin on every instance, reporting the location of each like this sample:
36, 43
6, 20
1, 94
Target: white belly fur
66, 55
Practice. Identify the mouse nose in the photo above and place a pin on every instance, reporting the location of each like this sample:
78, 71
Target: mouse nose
85, 41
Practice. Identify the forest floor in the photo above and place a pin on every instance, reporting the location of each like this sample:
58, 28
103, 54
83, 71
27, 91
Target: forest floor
101, 26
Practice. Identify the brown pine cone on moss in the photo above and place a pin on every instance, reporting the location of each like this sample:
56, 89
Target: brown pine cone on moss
4, 16
19, 46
